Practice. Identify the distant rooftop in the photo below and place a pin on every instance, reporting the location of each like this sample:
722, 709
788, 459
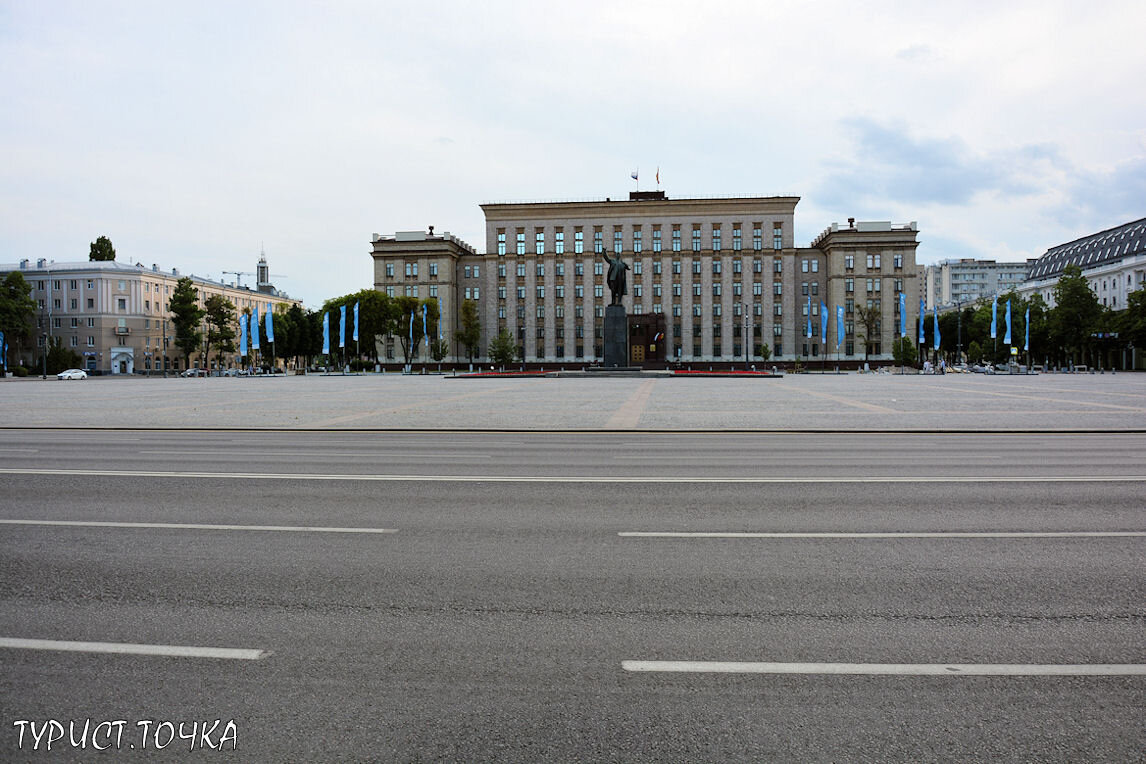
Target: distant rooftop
1099, 248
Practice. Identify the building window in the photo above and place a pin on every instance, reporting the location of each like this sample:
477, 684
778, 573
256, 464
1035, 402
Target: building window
433, 290
521, 270
737, 289
433, 270
91, 342
559, 292
804, 288
501, 242
638, 267
676, 240
541, 270
676, 290
121, 303
599, 311
716, 244
872, 262
637, 245
716, 267
716, 290
411, 270
559, 242
389, 291
598, 242
578, 269
696, 311
578, 291
559, 269
559, 311
737, 241
598, 268
897, 261
777, 309
618, 241
656, 267
657, 290
815, 266
676, 267
696, 290
696, 238
777, 288
638, 290
598, 291
578, 241
521, 242
777, 236
539, 243
521, 293
676, 310
849, 285
849, 262
91, 323
777, 265
501, 293
74, 304
468, 272
696, 267
501, 270
716, 309
757, 237
657, 240
541, 293
757, 288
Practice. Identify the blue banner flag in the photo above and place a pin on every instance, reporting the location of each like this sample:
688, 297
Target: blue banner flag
356, 322
326, 333
808, 313
994, 316
935, 318
922, 313
342, 327
824, 324
255, 328
243, 334
412, 348
3, 353
903, 314
425, 331
270, 325
1007, 336
1027, 326
839, 325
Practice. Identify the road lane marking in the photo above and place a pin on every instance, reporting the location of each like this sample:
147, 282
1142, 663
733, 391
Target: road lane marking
886, 535
666, 479
197, 526
891, 669
176, 651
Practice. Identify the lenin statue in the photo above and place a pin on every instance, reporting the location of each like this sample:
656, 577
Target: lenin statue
616, 278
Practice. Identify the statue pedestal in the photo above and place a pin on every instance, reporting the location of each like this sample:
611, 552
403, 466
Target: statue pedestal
616, 337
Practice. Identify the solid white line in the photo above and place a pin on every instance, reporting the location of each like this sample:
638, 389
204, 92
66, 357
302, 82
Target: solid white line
891, 669
198, 526
177, 651
881, 535
666, 479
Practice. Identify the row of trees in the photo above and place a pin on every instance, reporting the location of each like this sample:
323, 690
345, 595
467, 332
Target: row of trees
1077, 330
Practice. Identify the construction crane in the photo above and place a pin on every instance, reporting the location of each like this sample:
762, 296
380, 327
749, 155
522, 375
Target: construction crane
239, 276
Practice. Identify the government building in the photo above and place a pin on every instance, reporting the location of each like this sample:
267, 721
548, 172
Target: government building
710, 280
115, 315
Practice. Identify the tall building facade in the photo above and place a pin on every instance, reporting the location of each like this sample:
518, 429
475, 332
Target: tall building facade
710, 280
115, 315
965, 281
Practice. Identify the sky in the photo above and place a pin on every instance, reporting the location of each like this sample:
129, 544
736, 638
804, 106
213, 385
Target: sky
196, 135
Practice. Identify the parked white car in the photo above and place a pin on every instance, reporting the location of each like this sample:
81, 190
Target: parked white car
72, 374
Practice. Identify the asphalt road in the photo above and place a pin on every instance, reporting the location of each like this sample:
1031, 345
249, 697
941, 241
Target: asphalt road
479, 596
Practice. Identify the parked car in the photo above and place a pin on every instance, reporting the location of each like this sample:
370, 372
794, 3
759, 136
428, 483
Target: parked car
72, 374
194, 373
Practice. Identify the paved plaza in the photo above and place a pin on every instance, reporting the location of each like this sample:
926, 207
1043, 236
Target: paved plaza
850, 402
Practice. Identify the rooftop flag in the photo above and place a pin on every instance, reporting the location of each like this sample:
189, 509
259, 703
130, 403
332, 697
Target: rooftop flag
270, 326
255, 328
634, 174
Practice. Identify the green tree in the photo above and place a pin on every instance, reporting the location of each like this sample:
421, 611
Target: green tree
17, 311
439, 349
975, 352
867, 319
764, 351
410, 307
1132, 321
503, 349
1076, 313
469, 335
903, 351
220, 319
378, 317
186, 315
101, 249
60, 357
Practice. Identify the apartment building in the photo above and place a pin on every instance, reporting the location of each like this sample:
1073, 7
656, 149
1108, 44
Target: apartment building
115, 315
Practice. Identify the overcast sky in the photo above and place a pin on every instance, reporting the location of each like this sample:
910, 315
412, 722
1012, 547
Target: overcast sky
195, 133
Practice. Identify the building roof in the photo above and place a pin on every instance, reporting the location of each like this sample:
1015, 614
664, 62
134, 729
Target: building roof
1112, 245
